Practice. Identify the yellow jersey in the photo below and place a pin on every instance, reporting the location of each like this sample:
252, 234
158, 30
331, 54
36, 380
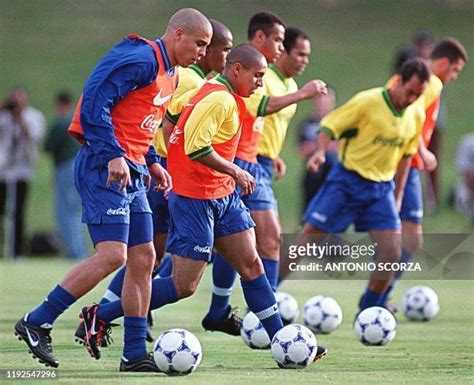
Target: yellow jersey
375, 136
276, 125
190, 80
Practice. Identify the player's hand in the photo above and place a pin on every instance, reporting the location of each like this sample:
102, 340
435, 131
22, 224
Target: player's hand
313, 88
119, 171
280, 168
245, 180
161, 177
429, 159
315, 161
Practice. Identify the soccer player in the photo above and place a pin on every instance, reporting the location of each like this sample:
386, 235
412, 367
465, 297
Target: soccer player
205, 209
265, 32
122, 105
447, 61
380, 133
190, 78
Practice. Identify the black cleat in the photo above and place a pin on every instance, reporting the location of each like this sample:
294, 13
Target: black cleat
38, 340
149, 327
320, 353
144, 364
230, 323
96, 331
80, 335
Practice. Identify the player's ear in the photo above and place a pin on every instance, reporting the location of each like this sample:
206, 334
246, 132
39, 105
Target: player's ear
260, 36
237, 69
178, 33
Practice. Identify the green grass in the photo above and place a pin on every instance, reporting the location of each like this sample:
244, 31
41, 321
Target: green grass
438, 352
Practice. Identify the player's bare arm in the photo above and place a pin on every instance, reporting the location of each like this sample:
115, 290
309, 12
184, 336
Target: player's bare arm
161, 177
167, 128
401, 179
308, 91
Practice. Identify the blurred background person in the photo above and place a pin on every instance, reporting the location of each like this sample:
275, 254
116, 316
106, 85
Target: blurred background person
464, 193
308, 132
21, 131
63, 149
421, 48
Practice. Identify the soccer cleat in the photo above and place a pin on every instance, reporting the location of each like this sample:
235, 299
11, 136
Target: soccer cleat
320, 353
144, 364
38, 340
149, 327
80, 335
96, 331
230, 323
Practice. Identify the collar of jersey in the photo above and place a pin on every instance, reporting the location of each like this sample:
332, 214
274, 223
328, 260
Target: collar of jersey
278, 73
389, 102
198, 70
166, 59
222, 79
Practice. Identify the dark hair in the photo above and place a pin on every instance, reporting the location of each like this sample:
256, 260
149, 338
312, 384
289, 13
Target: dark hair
292, 34
63, 97
451, 48
263, 21
416, 67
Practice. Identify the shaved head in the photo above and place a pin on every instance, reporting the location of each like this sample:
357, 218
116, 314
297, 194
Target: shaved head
190, 20
220, 33
245, 54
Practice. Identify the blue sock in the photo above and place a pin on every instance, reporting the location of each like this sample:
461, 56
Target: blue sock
406, 257
56, 303
114, 291
163, 292
261, 300
271, 270
279, 281
370, 298
166, 267
223, 277
134, 337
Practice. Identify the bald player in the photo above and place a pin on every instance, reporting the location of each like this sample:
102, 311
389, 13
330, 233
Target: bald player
205, 209
190, 78
122, 105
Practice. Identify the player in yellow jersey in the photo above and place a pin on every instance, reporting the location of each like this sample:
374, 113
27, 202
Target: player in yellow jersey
447, 61
266, 32
379, 131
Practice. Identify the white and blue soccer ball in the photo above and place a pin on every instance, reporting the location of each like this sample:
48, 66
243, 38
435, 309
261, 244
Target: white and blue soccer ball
177, 352
322, 314
375, 326
253, 333
420, 303
294, 347
287, 306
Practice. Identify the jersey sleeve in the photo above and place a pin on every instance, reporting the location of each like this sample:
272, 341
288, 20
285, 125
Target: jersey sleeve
343, 119
202, 126
177, 104
256, 104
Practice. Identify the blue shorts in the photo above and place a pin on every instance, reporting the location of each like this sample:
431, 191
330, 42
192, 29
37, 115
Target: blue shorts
159, 206
262, 197
195, 223
412, 204
105, 205
347, 198
266, 169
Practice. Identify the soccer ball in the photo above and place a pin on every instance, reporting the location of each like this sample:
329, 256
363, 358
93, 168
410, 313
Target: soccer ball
253, 333
288, 307
375, 326
420, 303
294, 347
322, 314
177, 352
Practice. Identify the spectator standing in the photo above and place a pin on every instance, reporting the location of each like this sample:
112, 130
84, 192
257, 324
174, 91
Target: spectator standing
21, 130
67, 203
464, 194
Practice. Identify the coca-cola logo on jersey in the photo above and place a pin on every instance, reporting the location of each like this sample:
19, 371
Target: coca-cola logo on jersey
150, 123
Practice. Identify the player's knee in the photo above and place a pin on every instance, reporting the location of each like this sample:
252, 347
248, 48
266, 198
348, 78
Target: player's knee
269, 246
143, 259
185, 288
391, 253
251, 268
413, 243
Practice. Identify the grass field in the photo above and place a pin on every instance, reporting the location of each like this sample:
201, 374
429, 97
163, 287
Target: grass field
438, 352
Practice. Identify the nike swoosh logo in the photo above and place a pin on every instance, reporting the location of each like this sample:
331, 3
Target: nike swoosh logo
31, 339
158, 100
93, 331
